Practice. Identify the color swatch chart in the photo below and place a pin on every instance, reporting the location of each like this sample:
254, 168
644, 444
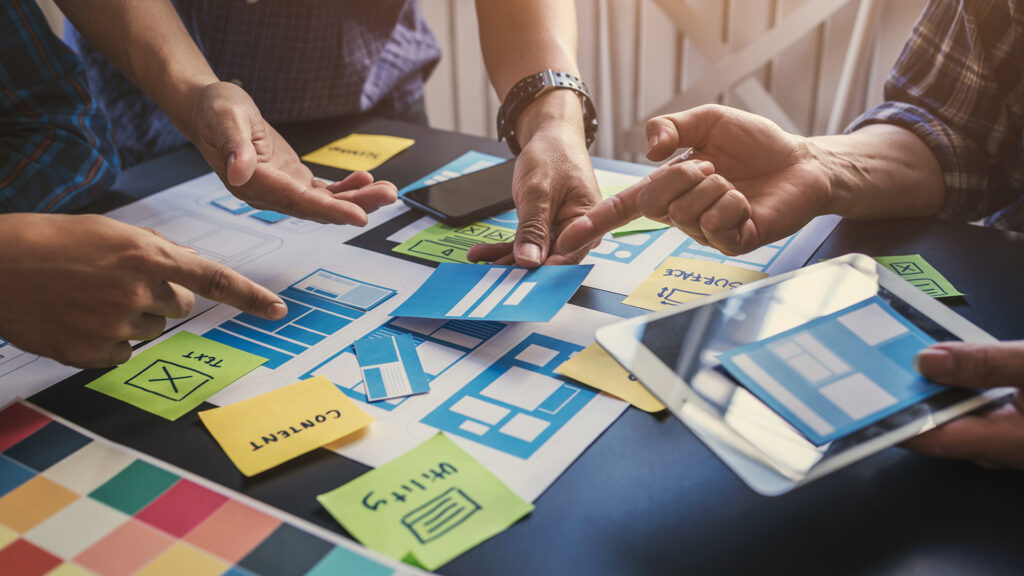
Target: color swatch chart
70, 504
440, 344
319, 305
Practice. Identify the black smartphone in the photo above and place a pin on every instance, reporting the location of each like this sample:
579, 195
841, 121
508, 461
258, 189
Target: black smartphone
467, 198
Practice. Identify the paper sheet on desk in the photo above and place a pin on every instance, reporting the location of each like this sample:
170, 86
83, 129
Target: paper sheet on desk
915, 269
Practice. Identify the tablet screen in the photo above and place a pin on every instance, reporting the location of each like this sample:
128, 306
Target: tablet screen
827, 389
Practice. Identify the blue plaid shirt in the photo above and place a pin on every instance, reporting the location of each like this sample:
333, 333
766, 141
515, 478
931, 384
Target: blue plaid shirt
299, 60
55, 142
959, 86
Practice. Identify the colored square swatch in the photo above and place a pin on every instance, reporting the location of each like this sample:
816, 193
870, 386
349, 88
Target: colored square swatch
69, 569
26, 559
343, 561
125, 550
134, 487
181, 508
182, 559
233, 531
287, 552
12, 474
33, 502
7, 536
17, 422
49, 445
75, 528
89, 468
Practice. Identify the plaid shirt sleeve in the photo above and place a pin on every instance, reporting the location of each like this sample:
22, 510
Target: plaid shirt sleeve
55, 141
958, 86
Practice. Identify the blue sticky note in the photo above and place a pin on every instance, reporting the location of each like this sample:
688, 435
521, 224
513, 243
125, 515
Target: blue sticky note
391, 367
487, 292
268, 216
839, 373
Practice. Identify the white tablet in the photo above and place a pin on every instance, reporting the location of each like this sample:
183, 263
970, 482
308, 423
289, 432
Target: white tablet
795, 376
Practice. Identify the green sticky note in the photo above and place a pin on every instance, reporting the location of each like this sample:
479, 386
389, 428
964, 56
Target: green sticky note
176, 375
427, 506
642, 224
914, 269
441, 243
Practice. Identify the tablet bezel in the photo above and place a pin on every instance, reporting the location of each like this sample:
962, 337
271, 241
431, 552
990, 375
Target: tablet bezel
623, 341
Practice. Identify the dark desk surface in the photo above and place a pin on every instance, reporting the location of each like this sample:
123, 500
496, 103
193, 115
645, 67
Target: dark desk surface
647, 497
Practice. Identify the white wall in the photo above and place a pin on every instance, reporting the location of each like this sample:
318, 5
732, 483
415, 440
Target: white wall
802, 79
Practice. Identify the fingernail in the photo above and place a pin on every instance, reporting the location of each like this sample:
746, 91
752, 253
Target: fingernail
934, 363
653, 141
188, 249
530, 252
277, 310
706, 168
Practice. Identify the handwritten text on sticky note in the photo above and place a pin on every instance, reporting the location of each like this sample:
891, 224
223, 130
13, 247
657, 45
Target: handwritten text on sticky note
681, 280
176, 375
427, 506
272, 428
359, 151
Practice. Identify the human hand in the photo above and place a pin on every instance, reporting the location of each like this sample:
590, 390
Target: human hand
78, 288
258, 166
757, 183
993, 438
553, 185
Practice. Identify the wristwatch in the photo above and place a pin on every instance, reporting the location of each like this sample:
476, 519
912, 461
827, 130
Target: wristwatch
534, 86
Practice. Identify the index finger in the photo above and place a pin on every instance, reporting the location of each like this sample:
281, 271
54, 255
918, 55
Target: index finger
220, 283
609, 214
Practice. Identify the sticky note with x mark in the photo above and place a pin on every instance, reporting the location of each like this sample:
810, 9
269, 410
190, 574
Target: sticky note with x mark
175, 375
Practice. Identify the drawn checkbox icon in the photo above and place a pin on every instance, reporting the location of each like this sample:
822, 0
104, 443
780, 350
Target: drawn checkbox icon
169, 380
906, 268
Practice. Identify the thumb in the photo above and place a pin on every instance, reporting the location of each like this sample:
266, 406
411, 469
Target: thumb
237, 150
533, 233
688, 129
972, 365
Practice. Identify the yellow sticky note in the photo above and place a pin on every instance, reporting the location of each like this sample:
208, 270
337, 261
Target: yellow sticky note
681, 280
596, 368
262, 432
359, 151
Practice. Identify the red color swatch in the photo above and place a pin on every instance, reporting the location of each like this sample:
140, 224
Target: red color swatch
181, 508
26, 559
18, 422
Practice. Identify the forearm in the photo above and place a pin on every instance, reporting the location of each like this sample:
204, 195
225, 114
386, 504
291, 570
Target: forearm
879, 171
151, 47
522, 38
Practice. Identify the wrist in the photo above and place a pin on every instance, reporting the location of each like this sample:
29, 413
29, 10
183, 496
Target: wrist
557, 112
836, 172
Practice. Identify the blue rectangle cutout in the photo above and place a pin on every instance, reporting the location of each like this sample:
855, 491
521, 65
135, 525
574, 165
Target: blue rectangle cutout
268, 216
391, 367
502, 293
